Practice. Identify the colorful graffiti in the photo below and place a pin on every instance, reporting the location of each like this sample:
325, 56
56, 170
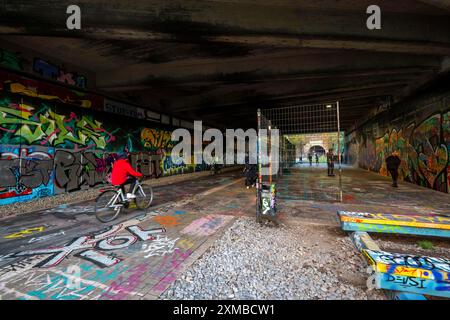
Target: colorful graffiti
10, 60
206, 225
94, 248
157, 139
17, 84
416, 274
49, 147
424, 151
22, 123
51, 71
426, 225
25, 173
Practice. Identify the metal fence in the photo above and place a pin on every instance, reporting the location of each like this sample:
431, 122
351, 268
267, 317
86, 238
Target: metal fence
304, 129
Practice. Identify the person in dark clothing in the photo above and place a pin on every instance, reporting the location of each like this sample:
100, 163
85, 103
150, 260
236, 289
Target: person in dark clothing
310, 159
250, 174
392, 164
330, 163
317, 158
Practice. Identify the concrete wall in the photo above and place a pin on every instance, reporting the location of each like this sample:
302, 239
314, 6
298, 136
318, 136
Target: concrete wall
419, 129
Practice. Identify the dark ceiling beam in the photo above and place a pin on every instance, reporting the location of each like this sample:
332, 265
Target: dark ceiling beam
257, 66
406, 71
191, 18
444, 4
325, 95
399, 46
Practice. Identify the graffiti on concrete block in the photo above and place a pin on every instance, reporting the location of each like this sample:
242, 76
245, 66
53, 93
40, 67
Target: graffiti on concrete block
437, 266
412, 284
430, 221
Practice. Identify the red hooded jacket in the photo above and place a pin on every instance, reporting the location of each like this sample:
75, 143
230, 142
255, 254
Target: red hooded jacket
120, 172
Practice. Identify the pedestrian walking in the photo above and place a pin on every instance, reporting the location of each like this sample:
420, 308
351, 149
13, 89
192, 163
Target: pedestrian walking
392, 164
330, 163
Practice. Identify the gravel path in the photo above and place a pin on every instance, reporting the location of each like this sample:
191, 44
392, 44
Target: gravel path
251, 261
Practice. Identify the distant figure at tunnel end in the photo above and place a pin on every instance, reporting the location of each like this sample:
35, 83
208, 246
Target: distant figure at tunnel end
392, 165
330, 163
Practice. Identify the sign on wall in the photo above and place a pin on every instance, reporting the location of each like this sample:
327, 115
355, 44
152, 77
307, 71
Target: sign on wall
124, 109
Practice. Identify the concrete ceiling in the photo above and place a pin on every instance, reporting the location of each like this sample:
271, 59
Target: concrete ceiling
219, 61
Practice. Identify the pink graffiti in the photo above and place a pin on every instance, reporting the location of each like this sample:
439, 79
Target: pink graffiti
207, 225
168, 270
121, 288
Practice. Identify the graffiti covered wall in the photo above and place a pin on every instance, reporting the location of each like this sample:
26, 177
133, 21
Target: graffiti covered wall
48, 147
22, 59
420, 132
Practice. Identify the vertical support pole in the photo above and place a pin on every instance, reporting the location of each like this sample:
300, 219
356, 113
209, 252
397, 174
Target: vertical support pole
258, 165
20, 144
269, 146
339, 149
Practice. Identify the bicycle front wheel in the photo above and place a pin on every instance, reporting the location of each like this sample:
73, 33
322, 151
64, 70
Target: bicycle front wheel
107, 207
144, 196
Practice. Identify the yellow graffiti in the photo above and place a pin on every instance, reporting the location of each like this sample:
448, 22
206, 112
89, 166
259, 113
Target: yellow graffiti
396, 222
154, 138
436, 222
407, 271
31, 92
24, 233
185, 244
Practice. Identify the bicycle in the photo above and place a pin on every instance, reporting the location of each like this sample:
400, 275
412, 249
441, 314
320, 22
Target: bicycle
111, 201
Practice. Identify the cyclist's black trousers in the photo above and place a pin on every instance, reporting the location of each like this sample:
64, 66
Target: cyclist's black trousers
131, 181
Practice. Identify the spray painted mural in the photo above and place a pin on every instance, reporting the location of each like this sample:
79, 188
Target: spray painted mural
21, 85
47, 148
16, 60
423, 144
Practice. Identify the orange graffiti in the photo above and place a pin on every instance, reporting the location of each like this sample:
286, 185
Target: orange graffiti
166, 221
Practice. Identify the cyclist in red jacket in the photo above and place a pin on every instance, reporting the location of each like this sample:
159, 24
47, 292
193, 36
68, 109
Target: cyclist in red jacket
123, 174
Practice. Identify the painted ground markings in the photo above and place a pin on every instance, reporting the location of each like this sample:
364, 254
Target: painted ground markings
110, 270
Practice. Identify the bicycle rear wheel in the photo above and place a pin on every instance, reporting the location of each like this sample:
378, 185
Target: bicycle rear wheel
106, 206
144, 196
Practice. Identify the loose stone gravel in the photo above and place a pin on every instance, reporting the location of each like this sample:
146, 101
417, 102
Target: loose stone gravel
253, 261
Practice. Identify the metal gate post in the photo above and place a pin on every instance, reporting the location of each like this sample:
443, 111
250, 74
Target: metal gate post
339, 150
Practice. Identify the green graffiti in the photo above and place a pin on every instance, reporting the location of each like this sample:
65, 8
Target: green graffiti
10, 60
51, 128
